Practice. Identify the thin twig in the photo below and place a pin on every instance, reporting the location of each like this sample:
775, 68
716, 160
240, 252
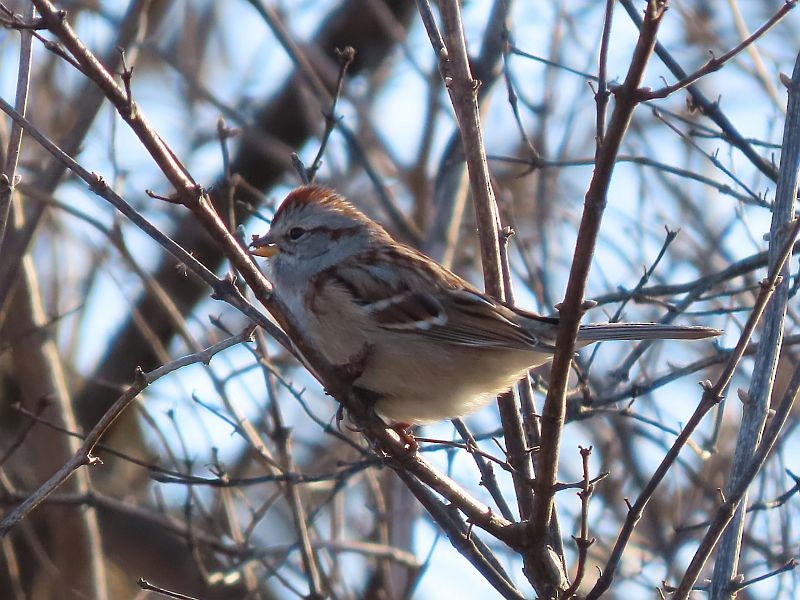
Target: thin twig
223, 289
789, 565
733, 499
583, 542
714, 63
602, 94
488, 478
712, 395
147, 586
477, 553
83, 457
709, 108
9, 174
451, 51
669, 238
345, 57
282, 437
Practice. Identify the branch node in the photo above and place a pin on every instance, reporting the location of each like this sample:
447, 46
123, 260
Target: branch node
129, 111
171, 199
93, 461
139, 377
744, 397
346, 54
224, 289
98, 185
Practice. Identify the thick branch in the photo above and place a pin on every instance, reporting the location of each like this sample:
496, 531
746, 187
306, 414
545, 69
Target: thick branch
572, 308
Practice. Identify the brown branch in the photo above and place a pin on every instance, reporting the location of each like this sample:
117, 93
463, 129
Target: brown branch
714, 63
582, 541
709, 108
83, 457
463, 91
56, 22
9, 173
573, 306
462, 88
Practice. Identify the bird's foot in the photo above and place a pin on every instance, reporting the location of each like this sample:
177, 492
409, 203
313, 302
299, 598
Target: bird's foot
406, 437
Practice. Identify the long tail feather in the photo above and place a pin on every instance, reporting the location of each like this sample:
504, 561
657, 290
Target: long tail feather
600, 332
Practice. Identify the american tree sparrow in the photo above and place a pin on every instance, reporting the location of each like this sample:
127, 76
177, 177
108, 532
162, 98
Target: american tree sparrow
431, 345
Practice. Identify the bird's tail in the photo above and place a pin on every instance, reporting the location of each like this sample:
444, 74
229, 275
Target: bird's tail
601, 332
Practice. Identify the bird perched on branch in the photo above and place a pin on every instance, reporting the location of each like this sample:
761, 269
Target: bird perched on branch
431, 346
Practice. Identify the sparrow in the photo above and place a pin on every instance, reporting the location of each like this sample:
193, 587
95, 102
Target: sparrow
431, 346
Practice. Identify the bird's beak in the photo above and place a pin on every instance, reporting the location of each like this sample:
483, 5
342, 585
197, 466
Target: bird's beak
263, 246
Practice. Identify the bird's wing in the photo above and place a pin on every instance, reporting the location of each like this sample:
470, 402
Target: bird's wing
405, 292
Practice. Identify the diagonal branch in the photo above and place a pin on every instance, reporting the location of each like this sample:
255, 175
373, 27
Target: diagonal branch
709, 108
716, 63
336, 383
83, 456
712, 395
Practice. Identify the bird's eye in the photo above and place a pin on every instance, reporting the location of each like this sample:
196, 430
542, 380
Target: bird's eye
295, 233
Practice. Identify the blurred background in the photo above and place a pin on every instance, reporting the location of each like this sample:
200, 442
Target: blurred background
187, 496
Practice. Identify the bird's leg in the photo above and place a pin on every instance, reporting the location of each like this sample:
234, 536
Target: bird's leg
349, 372
339, 416
401, 429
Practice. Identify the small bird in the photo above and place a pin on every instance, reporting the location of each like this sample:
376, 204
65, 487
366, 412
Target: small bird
431, 346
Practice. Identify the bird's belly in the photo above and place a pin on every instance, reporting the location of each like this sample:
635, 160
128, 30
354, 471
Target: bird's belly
418, 386
416, 380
